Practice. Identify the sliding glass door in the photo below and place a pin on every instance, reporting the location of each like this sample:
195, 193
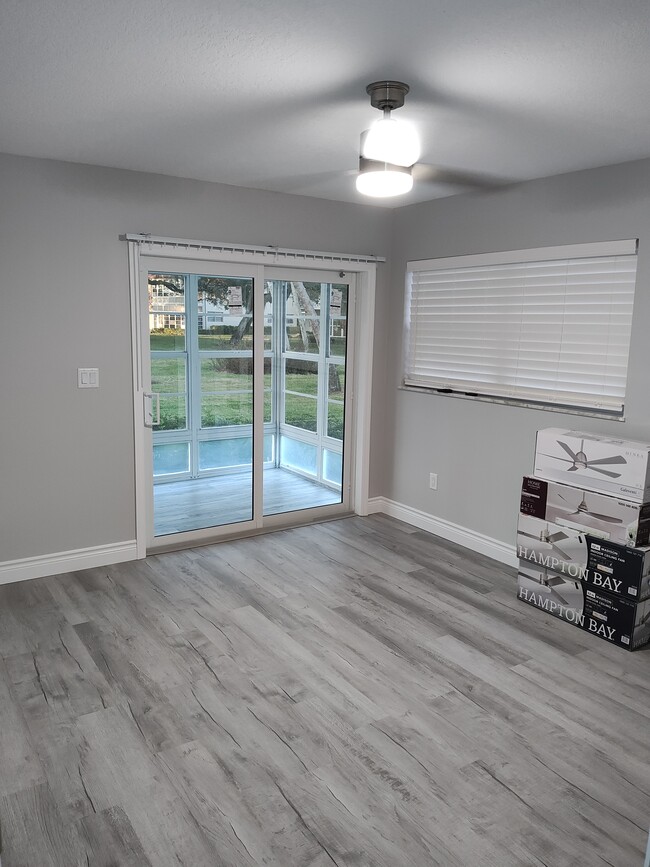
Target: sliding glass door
307, 330
244, 425
201, 330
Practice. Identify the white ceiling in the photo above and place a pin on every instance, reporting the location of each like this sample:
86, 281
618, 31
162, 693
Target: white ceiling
271, 93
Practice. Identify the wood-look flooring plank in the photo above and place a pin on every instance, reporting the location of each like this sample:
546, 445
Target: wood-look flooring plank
399, 784
119, 771
20, 767
110, 841
357, 693
34, 833
236, 802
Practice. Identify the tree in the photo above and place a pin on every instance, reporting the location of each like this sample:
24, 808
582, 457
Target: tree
305, 304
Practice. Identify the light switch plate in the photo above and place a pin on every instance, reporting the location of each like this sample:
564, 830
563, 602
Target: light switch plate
88, 377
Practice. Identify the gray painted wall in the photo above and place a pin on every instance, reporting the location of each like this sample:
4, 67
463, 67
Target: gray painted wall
480, 450
66, 456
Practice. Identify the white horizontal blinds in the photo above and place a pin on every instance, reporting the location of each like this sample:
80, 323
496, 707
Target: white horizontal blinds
554, 330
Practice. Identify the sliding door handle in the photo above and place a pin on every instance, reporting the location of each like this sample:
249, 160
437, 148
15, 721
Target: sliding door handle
151, 416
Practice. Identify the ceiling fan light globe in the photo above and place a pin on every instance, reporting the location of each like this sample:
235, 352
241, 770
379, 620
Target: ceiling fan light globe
384, 183
391, 141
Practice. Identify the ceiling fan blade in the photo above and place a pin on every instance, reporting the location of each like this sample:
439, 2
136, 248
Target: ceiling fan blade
605, 472
530, 535
304, 182
566, 448
438, 175
616, 459
606, 518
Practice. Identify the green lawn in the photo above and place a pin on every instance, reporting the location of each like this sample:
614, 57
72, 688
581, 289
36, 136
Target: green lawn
227, 396
175, 342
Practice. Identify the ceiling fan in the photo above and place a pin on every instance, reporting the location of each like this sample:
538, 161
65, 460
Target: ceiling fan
390, 150
580, 461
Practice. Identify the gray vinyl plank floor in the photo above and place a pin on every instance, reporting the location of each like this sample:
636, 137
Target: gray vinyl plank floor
213, 501
356, 693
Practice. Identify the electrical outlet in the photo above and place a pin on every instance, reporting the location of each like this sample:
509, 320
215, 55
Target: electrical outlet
433, 481
88, 377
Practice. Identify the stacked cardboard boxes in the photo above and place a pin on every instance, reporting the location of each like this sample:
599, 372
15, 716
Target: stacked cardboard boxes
584, 524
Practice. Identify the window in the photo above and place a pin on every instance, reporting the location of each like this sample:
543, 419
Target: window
547, 327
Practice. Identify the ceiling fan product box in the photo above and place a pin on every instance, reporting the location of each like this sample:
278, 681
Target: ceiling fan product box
612, 618
610, 567
620, 468
618, 569
612, 518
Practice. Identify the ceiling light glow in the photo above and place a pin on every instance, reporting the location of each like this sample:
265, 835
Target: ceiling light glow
383, 180
391, 141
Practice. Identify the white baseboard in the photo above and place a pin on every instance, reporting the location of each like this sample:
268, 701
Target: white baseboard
67, 561
493, 548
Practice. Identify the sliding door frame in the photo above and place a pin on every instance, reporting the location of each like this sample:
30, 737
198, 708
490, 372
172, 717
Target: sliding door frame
143, 251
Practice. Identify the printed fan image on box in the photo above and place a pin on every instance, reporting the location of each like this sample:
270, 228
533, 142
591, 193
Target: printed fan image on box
564, 595
586, 511
617, 467
551, 546
579, 509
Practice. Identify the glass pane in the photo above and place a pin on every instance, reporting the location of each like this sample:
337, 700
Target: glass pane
268, 390
338, 337
339, 299
232, 452
269, 448
166, 312
217, 454
332, 466
300, 456
300, 335
171, 458
226, 374
218, 410
336, 381
268, 314
336, 393
301, 411
338, 320
225, 313
302, 321
301, 376
226, 391
173, 412
335, 420
168, 375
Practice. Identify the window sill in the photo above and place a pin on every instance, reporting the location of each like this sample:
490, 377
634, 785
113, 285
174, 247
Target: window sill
545, 407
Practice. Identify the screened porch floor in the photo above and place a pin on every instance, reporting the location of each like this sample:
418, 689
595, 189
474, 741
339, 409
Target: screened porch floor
194, 504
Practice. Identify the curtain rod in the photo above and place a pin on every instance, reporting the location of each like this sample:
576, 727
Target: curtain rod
251, 249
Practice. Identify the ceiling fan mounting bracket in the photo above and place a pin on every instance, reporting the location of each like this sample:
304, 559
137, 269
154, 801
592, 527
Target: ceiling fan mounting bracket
387, 94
